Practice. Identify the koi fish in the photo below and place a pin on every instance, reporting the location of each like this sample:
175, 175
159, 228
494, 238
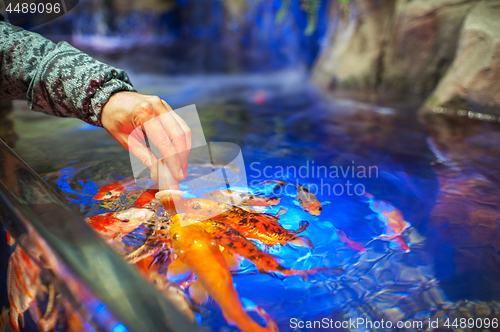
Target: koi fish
145, 198
22, 281
393, 220
263, 227
242, 199
307, 200
195, 247
202, 206
236, 243
114, 225
349, 242
114, 189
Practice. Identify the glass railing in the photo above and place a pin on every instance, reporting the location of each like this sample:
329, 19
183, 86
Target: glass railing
97, 289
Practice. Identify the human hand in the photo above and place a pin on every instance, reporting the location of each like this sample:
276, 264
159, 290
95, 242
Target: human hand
125, 111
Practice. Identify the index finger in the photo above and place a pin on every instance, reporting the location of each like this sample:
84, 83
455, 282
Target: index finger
159, 137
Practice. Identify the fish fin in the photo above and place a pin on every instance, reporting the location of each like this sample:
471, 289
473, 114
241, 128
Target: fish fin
4, 318
248, 305
178, 270
13, 320
233, 262
10, 240
371, 216
198, 293
281, 212
296, 202
272, 274
368, 196
301, 241
279, 183
270, 323
388, 238
325, 203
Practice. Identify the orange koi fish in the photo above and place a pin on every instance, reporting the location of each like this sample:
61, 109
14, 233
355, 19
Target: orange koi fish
112, 190
393, 220
349, 242
117, 224
242, 199
236, 243
263, 227
195, 247
307, 200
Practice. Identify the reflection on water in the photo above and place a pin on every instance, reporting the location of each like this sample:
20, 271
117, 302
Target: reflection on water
443, 176
465, 219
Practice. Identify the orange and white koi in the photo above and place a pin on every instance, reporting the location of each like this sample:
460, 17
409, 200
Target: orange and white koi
242, 199
202, 206
307, 200
22, 283
350, 242
263, 227
195, 247
115, 225
393, 220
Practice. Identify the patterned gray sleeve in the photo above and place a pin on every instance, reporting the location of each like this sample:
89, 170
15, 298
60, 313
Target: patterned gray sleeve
56, 79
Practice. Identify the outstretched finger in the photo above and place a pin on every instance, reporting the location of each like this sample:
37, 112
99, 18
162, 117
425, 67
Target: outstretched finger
159, 137
184, 154
177, 136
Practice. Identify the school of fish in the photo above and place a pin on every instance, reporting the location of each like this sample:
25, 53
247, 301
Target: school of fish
201, 246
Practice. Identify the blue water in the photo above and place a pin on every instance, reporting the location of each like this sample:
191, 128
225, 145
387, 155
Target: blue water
295, 128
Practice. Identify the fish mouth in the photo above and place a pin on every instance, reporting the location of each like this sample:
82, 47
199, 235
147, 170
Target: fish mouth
315, 212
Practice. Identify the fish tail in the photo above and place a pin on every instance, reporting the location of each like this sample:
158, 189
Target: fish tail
13, 316
402, 243
398, 240
302, 227
329, 271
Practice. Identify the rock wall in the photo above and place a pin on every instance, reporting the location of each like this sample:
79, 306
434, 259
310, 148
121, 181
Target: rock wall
472, 83
396, 49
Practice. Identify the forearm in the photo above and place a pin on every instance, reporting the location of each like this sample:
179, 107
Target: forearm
56, 79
